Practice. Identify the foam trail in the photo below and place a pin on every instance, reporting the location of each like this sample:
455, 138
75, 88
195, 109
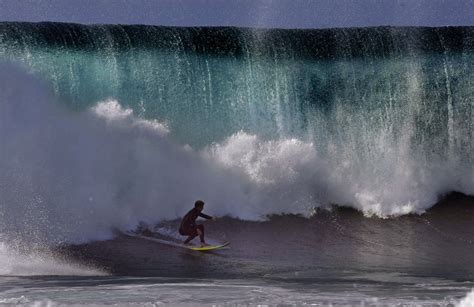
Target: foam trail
13, 263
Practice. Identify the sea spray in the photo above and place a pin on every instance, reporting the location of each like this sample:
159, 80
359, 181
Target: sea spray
72, 177
31, 262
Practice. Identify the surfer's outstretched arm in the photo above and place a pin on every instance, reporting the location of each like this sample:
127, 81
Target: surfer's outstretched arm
208, 217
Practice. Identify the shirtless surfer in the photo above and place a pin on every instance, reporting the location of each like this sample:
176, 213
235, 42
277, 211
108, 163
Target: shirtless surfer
188, 225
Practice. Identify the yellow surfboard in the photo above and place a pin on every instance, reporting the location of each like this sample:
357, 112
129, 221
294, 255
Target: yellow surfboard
208, 248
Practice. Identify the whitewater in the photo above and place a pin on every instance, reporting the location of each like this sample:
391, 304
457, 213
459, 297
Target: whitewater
107, 127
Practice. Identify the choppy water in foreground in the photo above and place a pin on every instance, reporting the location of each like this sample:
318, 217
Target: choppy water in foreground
349, 289
337, 257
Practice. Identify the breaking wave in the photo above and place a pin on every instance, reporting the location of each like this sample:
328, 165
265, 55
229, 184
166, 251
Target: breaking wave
107, 126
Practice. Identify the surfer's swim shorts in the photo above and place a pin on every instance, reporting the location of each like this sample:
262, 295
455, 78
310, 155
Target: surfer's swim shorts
191, 231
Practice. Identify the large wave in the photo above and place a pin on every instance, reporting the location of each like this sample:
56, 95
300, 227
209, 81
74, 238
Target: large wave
128, 124
69, 176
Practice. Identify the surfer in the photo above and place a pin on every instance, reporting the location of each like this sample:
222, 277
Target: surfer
188, 225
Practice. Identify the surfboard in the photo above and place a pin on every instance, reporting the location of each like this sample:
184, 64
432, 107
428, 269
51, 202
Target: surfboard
209, 247
175, 244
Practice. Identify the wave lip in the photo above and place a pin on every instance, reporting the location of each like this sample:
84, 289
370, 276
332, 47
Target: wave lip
219, 41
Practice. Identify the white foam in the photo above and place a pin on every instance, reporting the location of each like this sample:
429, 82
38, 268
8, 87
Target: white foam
265, 162
277, 176
111, 110
14, 300
468, 300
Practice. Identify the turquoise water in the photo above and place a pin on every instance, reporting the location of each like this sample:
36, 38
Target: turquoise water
326, 86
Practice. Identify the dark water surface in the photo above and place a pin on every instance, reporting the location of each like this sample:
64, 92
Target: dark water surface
336, 258
350, 290
438, 243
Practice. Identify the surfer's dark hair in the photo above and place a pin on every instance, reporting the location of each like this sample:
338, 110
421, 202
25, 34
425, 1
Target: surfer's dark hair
198, 203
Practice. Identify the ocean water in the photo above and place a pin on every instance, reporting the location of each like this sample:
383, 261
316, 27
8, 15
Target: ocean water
339, 162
